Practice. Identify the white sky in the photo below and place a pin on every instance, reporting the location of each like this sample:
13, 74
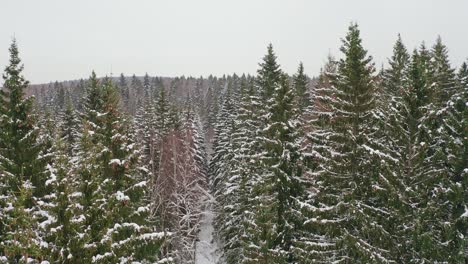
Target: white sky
64, 39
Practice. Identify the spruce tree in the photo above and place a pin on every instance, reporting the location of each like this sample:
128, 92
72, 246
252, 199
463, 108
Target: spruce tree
124, 91
19, 146
62, 233
116, 221
398, 66
300, 81
21, 242
442, 75
268, 75
70, 125
352, 190
280, 187
23, 170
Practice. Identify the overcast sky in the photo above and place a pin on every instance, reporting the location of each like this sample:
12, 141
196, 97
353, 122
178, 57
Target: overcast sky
63, 40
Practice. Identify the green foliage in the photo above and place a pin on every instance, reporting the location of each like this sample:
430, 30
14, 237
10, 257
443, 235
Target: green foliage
300, 81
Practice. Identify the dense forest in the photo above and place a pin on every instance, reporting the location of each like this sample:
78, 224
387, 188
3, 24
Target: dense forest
356, 165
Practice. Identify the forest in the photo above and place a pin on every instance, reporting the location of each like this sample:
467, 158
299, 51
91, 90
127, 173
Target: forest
357, 164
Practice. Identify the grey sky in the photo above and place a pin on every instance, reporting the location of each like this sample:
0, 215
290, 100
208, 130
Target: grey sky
63, 40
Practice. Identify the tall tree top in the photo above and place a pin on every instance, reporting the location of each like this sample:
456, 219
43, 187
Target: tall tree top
269, 74
399, 62
443, 75
300, 88
400, 57
14, 82
356, 71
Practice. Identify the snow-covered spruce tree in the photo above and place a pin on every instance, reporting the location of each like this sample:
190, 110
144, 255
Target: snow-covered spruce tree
90, 218
144, 123
457, 122
218, 167
406, 140
351, 212
454, 135
393, 77
147, 87
260, 247
21, 242
124, 91
435, 189
268, 75
19, 146
70, 128
300, 81
235, 202
316, 245
62, 233
23, 171
442, 76
221, 146
280, 186
116, 223
60, 97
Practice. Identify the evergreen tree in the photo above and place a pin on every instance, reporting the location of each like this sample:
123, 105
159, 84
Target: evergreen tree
124, 91
21, 242
437, 191
62, 233
393, 77
69, 132
19, 146
268, 75
351, 206
280, 187
116, 221
300, 81
442, 75
59, 101
147, 88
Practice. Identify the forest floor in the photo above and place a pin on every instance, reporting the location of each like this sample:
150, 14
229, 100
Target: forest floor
207, 251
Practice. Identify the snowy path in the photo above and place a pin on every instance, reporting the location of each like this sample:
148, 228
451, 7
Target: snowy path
206, 248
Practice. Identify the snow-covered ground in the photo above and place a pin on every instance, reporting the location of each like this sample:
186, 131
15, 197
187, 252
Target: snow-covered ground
207, 251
